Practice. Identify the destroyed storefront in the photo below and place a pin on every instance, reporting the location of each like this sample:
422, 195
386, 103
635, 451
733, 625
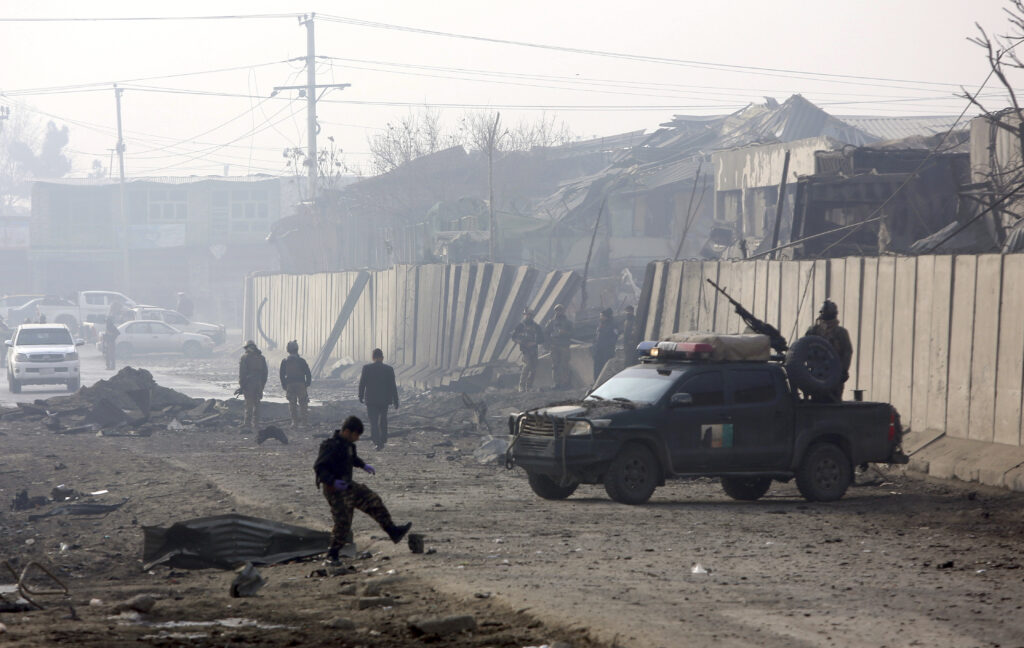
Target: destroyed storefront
900, 196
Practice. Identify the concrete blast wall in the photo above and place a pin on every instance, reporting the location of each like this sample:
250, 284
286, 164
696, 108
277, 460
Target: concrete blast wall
431, 321
940, 337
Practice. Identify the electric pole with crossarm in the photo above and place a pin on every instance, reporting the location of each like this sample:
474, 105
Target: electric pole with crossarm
310, 90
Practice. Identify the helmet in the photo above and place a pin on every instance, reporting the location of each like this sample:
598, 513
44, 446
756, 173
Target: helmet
292, 347
559, 308
527, 312
251, 345
829, 311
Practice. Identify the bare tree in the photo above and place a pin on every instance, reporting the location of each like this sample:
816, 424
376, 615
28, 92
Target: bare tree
27, 152
415, 135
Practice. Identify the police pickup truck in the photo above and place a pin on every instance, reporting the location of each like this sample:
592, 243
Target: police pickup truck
683, 411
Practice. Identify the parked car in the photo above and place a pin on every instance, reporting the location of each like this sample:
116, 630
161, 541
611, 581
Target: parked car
153, 336
215, 332
28, 312
89, 306
9, 302
43, 354
678, 414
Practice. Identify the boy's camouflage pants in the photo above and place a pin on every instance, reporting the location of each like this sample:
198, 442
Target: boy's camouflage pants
356, 496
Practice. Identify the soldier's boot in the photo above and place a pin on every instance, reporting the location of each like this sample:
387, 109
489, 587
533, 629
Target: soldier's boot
247, 423
397, 531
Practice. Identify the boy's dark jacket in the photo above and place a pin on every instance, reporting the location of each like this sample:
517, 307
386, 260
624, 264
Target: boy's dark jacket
336, 459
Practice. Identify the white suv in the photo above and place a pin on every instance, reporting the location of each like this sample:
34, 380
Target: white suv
43, 354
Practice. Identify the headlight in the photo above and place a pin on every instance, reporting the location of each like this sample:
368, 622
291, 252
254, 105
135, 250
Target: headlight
71, 356
579, 428
21, 357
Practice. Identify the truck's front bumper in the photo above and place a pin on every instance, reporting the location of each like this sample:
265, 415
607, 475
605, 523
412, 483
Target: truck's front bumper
50, 373
556, 456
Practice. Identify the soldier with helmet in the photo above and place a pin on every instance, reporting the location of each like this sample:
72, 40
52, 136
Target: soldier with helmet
252, 378
559, 336
827, 326
295, 378
528, 335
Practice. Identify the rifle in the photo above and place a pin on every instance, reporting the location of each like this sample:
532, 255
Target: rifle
757, 326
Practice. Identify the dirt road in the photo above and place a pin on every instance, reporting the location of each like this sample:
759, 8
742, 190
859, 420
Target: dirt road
904, 563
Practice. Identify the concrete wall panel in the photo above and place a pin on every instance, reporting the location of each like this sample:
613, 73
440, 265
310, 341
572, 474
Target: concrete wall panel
925, 271
865, 352
904, 329
881, 376
938, 342
708, 296
723, 309
789, 299
984, 354
1010, 370
688, 318
961, 342
670, 307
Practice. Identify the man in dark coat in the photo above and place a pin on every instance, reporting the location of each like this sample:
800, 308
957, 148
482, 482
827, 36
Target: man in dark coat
252, 378
528, 335
827, 326
377, 389
295, 379
604, 341
110, 334
333, 468
559, 340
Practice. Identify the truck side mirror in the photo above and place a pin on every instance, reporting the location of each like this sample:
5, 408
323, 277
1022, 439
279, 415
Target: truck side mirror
681, 399
8, 343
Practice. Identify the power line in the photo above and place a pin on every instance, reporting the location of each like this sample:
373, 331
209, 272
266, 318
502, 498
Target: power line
147, 18
753, 69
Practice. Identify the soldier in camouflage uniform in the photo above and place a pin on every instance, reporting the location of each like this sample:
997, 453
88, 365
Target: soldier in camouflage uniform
528, 335
333, 470
828, 327
559, 336
252, 378
295, 378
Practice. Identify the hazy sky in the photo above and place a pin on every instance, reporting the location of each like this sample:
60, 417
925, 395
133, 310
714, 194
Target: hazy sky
715, 57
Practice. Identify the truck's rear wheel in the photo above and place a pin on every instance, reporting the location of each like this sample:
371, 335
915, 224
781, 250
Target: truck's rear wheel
824, 474
632, 475
74, 384
746, 488
13, 385
548, 488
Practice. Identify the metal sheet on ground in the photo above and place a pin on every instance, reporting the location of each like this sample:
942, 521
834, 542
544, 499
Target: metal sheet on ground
961, 341
985, 352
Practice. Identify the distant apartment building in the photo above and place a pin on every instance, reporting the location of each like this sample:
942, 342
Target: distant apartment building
200, 235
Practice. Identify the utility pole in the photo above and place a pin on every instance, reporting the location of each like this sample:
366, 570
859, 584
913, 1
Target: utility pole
311, 105
123, 220
492, 136
309, 90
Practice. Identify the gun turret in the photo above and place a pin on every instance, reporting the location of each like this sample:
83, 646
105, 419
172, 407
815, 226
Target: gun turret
757, 326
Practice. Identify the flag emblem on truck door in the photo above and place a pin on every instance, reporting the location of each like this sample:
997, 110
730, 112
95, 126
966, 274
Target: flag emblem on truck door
716, 436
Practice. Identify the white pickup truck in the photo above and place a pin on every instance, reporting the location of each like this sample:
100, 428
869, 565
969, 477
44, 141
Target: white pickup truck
91, 306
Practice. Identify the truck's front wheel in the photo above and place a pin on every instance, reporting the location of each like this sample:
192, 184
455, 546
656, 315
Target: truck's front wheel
824, 474
548, 488
632, 475
746, 488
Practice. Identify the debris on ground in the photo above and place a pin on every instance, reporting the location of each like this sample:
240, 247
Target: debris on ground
79, 508
141, 603
247, 582
22, 502
441, 626
492, 450
271, 432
